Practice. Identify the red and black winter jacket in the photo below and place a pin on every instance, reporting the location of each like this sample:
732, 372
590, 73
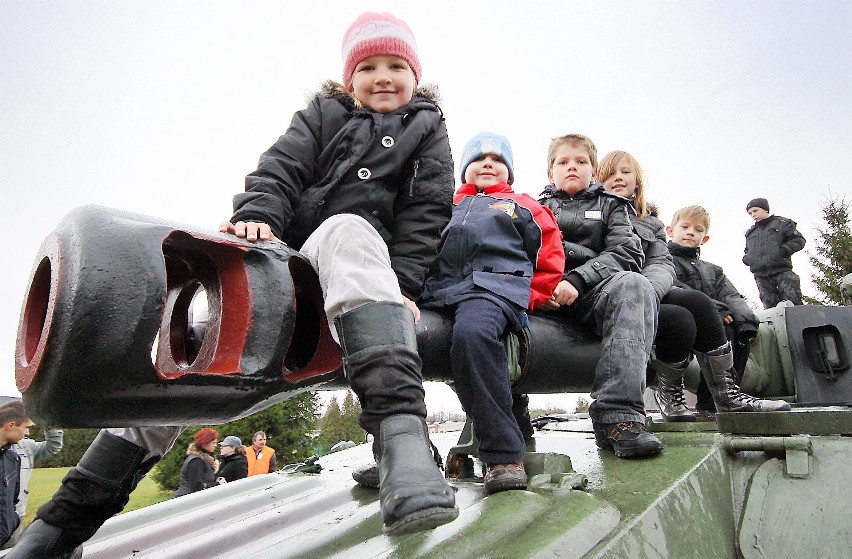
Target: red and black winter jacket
498, 242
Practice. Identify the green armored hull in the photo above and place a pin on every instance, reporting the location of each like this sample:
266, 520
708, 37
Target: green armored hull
708, 495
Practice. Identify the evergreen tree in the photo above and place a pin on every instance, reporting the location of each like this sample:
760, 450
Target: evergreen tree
832, 256
288, 426
351, 412
332, 430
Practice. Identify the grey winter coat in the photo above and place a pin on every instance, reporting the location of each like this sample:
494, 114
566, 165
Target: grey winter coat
659, 268
598, 237
395, 170
769, 244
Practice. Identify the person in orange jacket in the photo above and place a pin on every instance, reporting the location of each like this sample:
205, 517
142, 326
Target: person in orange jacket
261, 458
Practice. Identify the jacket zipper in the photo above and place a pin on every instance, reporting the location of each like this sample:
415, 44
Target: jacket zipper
414, 176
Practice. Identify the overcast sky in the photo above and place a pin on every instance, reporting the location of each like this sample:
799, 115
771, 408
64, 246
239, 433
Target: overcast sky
163, 107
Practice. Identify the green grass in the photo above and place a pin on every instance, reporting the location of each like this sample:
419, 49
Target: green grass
46, 481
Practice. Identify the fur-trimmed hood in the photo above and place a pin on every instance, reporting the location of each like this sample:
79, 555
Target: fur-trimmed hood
204, 455
331, 89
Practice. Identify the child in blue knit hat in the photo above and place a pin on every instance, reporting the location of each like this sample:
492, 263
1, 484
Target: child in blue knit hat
501, 254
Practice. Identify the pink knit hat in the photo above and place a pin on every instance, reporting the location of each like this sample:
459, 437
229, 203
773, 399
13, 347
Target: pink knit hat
373, 34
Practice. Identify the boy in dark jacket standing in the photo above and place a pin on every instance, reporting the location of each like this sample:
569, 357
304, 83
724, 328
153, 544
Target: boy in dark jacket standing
500, 254
770, 243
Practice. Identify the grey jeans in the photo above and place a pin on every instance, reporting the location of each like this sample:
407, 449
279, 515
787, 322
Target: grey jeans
622, 310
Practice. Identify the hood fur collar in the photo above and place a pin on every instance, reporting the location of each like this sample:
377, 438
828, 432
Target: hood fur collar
204, 455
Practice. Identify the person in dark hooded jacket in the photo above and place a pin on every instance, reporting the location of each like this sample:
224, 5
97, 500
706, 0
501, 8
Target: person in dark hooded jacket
361, 184
688, 321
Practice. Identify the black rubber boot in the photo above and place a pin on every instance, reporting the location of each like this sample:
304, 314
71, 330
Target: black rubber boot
412, 490
381, 363
92, 492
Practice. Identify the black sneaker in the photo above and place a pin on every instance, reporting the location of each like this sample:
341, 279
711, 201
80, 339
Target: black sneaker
629, 439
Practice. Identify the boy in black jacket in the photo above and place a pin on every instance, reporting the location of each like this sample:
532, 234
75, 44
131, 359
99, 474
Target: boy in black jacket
688, 232
769, 244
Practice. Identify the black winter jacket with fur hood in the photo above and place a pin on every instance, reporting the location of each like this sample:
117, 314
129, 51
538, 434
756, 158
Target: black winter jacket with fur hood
394, 169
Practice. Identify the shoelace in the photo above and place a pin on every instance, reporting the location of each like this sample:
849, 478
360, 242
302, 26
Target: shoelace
676, 395
736, 394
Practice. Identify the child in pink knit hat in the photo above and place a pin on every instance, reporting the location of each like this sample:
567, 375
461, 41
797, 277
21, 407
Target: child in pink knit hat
361, 184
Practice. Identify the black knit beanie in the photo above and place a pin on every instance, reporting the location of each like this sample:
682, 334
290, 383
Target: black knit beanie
758, 203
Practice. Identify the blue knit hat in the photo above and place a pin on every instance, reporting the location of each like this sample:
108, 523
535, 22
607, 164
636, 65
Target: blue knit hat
487, 142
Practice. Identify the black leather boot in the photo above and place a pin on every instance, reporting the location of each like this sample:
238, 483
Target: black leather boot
92, 492
669, 393
717, 367
381, 363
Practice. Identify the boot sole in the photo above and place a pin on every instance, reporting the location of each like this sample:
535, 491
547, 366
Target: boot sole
638, 452
492, 488
679, 418
628, 452
421, 520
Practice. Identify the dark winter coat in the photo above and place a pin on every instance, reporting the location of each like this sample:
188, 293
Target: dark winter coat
658, 269
10, 469
395, 170
711, 280
769, 244
498, 242
597, 235
233, 467
197, 471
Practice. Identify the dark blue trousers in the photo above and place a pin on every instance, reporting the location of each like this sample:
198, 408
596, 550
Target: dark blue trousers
481, 374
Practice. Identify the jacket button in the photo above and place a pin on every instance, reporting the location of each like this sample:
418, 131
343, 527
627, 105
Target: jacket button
364, 173
375, 212
570, 253
387, 141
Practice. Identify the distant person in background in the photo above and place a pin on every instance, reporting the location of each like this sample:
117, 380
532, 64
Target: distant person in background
261, 458
197, 472
30, 451
770, 243
14, 426
233, 464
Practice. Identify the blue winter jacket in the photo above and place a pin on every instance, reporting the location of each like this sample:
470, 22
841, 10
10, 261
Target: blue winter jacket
497, 242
